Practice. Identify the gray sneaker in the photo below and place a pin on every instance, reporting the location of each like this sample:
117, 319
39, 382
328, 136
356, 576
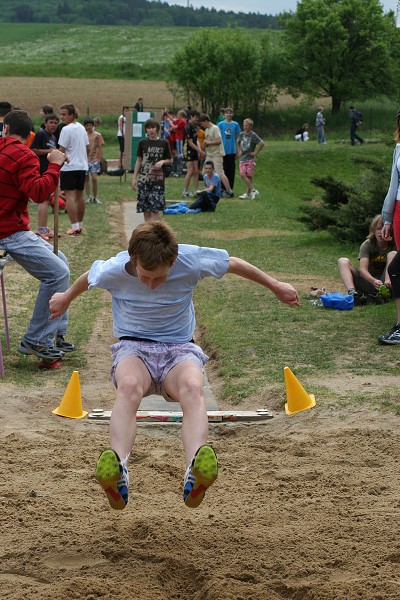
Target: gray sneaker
391, 338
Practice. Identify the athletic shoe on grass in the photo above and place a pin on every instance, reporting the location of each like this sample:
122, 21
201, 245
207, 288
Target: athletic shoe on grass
392, 337
199, 476
48, 353
63, 345
113, 478
245, 196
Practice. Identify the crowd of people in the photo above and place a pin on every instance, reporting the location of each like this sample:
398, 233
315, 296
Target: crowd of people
152, 282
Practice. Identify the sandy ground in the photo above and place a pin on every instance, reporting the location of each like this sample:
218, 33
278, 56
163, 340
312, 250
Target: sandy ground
305, 508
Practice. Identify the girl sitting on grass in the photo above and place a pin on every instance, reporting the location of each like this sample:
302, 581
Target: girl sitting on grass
371, 281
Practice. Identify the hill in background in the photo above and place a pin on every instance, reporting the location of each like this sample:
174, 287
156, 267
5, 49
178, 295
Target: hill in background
128, 12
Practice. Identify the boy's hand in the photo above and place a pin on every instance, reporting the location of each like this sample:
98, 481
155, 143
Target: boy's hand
287, 294
386, 232
134, 183
58, 304
56, 156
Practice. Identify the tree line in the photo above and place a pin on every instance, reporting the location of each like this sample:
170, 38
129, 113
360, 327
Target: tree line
344, 50
128, 12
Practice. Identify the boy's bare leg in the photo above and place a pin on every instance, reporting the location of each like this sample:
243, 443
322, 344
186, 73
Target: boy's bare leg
346, 271
248, 181
87, 185
80, 205
43, 212
71, 205
189, 173
94, 185
151, 216
185, 382
133, 381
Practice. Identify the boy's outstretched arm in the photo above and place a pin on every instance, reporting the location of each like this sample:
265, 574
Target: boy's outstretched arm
60, 301
283, 291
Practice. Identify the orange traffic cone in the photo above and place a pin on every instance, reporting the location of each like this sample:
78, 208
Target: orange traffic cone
71, 404
297, 397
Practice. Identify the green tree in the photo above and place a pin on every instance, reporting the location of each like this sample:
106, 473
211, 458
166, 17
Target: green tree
221, 68
343, 49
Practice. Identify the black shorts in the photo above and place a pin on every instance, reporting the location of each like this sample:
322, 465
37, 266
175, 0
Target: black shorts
121, 141
72, 180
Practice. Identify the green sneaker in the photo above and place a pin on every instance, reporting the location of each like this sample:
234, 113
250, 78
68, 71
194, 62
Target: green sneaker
113, 478
385, 292
200, 475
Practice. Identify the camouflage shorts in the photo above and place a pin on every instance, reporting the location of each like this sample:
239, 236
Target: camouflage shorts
150, 198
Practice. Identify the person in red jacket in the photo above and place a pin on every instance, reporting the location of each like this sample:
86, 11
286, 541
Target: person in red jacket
20, 180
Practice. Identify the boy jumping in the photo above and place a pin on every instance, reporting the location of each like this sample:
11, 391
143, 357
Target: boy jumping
151, 286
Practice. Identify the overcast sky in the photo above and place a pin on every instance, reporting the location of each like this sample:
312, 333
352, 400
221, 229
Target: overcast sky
266, 7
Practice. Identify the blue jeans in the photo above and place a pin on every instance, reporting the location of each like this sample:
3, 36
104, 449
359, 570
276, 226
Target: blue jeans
321, 134
36, 256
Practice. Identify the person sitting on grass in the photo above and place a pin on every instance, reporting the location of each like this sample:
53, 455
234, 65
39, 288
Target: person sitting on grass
151, 285
371, 281
208, 199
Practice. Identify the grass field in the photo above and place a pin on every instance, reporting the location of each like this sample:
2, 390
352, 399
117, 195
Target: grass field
104, 52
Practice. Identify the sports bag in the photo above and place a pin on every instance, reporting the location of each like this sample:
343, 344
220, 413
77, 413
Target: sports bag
337, 300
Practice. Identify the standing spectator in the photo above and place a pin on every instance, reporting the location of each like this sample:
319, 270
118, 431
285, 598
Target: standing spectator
121, 134
391, 204
215, 151
74, 143
179, 124
5, 108
249, 145
46, 109
355, 121
319, 124
148, 176
191, 152
139, 105
221, 115
20, 180
95, 153
43, 142
97, 121
230, 133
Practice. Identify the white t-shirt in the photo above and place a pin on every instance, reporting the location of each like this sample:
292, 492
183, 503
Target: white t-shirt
213, 133
166, 313
75, 140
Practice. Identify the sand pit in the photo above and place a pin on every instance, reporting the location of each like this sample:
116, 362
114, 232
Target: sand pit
305, 508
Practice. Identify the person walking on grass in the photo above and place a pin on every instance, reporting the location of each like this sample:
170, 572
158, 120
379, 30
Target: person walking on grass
20, 180
153, 154
151, 285
320, 125
249, 146
74, 142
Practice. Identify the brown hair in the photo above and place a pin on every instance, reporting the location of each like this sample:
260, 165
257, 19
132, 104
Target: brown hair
70, 108
373, 227
152, 245
152, 123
